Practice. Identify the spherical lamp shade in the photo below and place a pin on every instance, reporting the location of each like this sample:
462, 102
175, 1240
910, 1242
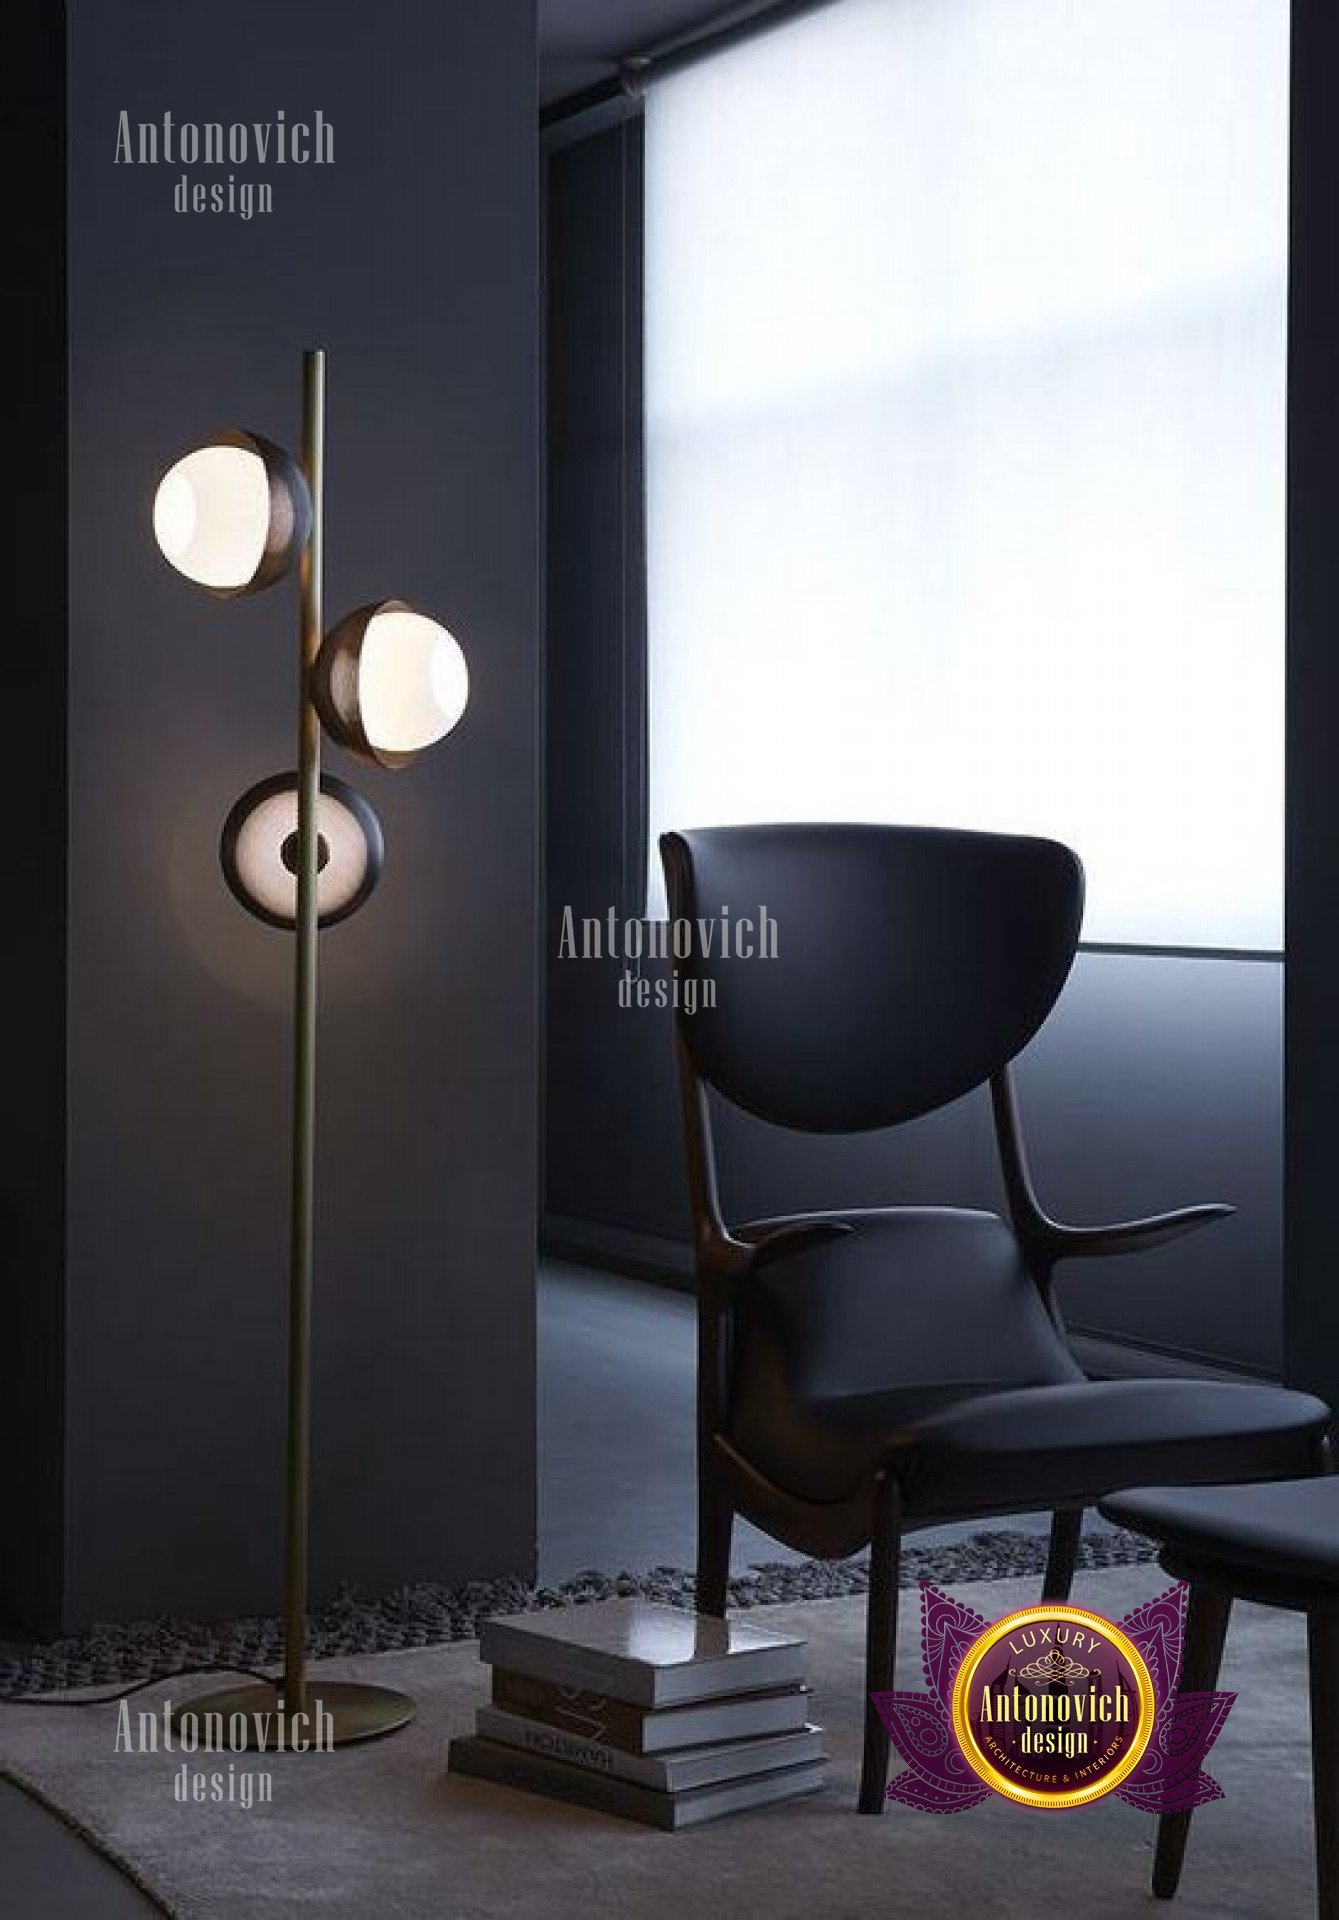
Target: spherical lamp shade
233, 515
388, 682
259, 850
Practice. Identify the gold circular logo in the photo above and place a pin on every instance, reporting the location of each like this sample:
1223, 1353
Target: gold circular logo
1053, 1706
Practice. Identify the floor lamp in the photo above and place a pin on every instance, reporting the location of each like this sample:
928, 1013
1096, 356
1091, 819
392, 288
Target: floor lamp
302, 852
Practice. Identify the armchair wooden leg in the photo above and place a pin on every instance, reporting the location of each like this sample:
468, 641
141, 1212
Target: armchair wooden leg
1206, 1629
1322, 1629
715, 1527
880, 1640
1066, 1531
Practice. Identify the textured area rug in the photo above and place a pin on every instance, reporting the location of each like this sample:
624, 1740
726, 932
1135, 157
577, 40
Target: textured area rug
382, 1832
429, 1614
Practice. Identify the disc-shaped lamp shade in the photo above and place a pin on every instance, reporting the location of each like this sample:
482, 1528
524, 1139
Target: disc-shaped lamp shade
388, 682
233, 515
259, 850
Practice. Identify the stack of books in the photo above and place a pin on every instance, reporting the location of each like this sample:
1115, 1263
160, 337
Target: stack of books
659, 1715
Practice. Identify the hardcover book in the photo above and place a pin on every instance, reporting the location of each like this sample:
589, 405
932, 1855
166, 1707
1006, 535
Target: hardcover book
666, 1772
485, 1759
645, 1655
613, 1723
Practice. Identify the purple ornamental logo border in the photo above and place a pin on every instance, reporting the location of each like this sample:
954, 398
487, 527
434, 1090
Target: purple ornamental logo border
1170, 1776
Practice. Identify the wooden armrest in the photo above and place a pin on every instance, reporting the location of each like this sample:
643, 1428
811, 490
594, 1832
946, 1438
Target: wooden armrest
1129, 1236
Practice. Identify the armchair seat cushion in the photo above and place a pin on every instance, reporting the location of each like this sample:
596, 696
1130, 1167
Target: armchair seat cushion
1045, 1446
867, 1334
918, 1341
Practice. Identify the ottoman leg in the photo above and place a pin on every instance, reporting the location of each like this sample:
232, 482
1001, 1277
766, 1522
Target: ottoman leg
880, 1641
1066, 1532
1206, 1629
1323, 1646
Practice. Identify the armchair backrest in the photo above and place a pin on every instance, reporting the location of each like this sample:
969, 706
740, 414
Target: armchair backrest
911, 963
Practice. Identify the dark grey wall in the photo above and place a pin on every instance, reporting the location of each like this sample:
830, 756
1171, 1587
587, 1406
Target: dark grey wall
413, 260
1156, 1082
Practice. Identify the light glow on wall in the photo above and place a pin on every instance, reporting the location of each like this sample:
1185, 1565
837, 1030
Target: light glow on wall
965, 439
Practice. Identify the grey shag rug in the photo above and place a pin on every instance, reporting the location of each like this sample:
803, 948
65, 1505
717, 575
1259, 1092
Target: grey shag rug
384, 1832
429, 1614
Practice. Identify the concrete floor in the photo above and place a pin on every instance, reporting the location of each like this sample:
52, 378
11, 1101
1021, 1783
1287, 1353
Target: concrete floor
616, 1474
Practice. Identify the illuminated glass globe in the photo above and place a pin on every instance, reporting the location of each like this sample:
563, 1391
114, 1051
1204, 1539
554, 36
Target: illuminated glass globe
233, 515
389, 682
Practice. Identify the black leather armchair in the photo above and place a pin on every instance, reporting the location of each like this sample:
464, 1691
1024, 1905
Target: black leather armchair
870, 1371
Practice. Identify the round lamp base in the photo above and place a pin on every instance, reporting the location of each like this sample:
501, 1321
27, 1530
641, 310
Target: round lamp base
249, 1719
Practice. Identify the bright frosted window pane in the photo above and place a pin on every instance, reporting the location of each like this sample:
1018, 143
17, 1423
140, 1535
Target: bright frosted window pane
965, 438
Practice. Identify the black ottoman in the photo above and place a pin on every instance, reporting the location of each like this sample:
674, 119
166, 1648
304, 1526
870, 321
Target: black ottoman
1275, 1542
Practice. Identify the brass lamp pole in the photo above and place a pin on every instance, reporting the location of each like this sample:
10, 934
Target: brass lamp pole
302, 852
306, 949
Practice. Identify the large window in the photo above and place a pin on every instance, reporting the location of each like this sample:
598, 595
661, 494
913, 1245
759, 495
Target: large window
965, 438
